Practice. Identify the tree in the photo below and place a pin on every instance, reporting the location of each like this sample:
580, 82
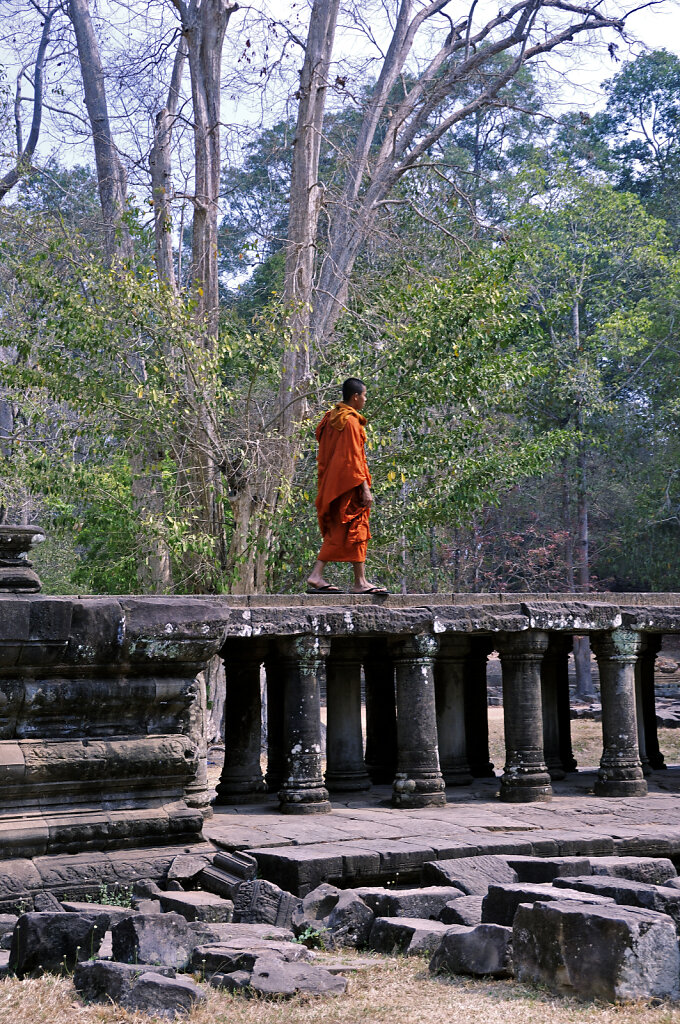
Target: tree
594, 259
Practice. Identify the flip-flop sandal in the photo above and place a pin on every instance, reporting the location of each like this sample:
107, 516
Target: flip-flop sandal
378, 591
327, 589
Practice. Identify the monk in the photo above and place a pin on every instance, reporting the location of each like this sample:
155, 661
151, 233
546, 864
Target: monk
344, 499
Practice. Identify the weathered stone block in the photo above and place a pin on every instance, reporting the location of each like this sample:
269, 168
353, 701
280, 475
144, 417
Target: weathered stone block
544, 869
466, 910
610, 953
54, 942
472, 875
240, 955
272, 977
7, 924
107, 980
652, 870
406, 935
114, 913
261, 902
239, 933
501, 902
152, 993
198, 906
427, 902
661, 898
153, 939
186, 866
484, 949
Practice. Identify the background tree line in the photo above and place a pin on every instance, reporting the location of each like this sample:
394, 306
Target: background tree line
180, 295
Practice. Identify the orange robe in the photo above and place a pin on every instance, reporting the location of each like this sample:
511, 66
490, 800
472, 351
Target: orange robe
342, 465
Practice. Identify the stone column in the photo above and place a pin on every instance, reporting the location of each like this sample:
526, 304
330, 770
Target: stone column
345, 767
555, 704
646, 664
303, 791
525, 777
639, 716
241, 780
449, 688
276, 753
620, 771
381, 713
476, 703
418, 782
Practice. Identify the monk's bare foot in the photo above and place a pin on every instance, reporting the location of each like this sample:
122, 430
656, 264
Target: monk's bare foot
371, 588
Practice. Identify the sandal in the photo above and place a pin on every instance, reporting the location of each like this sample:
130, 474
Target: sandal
327, 588
377, 591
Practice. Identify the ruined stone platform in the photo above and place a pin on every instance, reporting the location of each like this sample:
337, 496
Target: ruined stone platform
366, 841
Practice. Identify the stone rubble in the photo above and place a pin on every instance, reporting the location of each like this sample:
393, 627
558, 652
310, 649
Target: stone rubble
599, 926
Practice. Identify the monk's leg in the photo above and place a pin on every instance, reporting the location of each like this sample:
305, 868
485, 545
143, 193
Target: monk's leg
361, 584
315, 578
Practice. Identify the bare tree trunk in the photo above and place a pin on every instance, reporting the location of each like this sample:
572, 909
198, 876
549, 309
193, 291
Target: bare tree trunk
25, 153
582, 659
204, 23
160, 164
111, 176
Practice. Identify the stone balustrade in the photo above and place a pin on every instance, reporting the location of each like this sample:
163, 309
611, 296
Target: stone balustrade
424, 661
102, 708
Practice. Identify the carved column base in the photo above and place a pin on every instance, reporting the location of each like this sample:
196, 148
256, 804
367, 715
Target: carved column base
241, 791
420, 792
304, 801
525, 787
621, 781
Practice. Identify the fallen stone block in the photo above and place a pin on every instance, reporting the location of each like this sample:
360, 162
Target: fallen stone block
406, 935
46, 902
625, 892
610, 953
146, 906
4, 963
501, 902
299, 869
652, 870
272, 977
115, 913
55, 942
198, 906
544, 869
153, 939
466, 910
226, 957
7, 924
227, 872
472, 875
484, 949
97, 980
261, 902
231, 932
424, 902
146, 889
340, 916
155, 994
349, 922
186, 866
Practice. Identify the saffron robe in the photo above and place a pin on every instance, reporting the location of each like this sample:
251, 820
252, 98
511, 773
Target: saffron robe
342, 468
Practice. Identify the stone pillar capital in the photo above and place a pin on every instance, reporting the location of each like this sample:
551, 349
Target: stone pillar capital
414, 647
305, 648
529, 645
620, 645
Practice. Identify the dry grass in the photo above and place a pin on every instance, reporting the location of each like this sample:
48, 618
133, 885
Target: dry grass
586, 739
397, 990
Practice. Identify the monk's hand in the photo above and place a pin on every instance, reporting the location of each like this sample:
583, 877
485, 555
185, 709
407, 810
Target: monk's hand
366, 496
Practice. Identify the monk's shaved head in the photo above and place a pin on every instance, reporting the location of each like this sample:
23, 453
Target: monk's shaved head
352, 386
